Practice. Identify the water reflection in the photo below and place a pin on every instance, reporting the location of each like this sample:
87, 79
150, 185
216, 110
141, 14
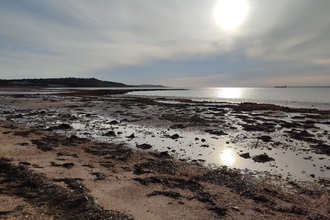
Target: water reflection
227, 157
230, 93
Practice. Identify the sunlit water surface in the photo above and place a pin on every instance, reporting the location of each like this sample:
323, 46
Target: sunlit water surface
307, 97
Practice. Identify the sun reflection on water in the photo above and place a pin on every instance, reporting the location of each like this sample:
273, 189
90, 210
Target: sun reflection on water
230, 93
227, 157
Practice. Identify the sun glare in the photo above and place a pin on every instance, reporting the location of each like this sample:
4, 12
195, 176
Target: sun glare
229, 14
230, 93
227, 157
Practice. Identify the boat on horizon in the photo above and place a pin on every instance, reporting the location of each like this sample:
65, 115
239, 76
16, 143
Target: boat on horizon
280, 86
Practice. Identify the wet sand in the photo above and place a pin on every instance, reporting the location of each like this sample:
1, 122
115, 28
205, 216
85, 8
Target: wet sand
96, 146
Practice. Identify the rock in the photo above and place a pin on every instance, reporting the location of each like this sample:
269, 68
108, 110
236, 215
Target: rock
68, 165
131, 136
312, 175
114, 122
265, 138
110, 134
144, 146
262, 158
235, 208
163, 154
174, 136
219, 133
245, 155
63, 127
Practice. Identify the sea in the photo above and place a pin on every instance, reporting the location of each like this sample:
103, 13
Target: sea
299, 97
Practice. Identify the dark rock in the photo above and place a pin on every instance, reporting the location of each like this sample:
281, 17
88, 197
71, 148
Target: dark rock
131, 136
110, 134
265, 138
245, 155
68, 165
139, 170
218, 133
174, 136
262, 158
144, 146
114, 122
63, 127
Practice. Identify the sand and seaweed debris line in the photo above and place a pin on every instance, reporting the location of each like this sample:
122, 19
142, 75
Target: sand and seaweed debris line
58, 201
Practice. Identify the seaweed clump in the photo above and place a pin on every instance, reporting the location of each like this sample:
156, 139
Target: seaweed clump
57, 201
117, 152
161, 166
48, 143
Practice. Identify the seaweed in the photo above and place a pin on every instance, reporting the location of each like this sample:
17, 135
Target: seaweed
161, 166
58, 202
118, 152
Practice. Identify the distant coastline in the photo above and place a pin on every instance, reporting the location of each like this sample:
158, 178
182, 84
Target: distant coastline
66, 82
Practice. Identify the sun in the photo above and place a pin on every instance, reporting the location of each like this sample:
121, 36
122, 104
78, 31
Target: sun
229, 14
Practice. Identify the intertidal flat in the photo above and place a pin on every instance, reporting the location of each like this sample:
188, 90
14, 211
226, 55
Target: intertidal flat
222, 160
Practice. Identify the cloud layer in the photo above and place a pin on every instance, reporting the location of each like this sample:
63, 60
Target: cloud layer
173, 42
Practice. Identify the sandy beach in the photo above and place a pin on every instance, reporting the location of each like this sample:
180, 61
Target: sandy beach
97, 155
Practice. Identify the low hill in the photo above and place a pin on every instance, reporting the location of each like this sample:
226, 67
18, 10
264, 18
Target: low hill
61, 82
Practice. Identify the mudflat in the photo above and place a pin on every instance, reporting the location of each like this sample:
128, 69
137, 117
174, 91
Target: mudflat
97, 155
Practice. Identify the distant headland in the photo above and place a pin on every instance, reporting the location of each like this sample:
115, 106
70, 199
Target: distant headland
66, 82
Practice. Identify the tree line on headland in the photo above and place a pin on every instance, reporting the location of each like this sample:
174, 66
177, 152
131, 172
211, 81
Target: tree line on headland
61, 82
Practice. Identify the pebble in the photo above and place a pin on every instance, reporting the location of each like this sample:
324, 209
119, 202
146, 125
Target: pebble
235, 208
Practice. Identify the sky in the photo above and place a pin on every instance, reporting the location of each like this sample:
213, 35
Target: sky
176, 43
